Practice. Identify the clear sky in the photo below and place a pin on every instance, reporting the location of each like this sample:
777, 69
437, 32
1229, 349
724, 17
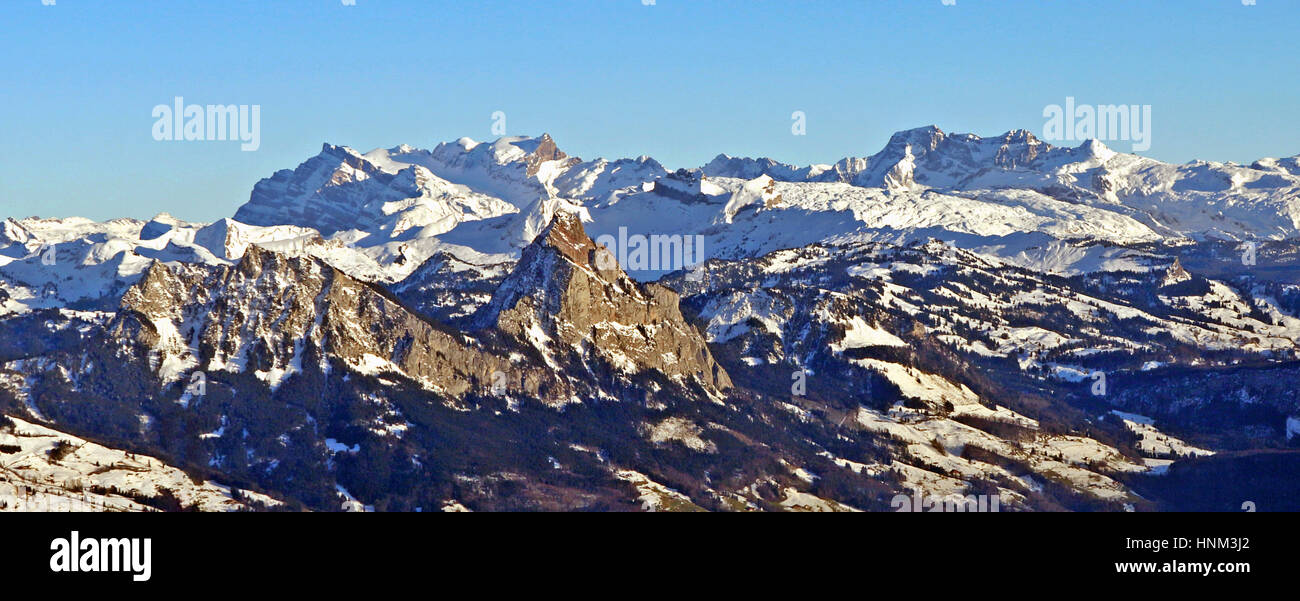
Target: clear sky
682, 81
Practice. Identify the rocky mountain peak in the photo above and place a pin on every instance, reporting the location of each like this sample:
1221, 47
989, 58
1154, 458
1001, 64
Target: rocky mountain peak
543, 150
546, 149
566, 235
274, 316
921, 139
1175, 274
568, 292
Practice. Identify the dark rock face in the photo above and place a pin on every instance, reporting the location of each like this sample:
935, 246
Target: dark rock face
568, 292
684, 185
273, 315
546, 151
602, 379
270, 313
577, 365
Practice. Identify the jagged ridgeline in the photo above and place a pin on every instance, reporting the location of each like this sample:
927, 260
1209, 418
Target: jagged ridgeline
290, 345
1063, 328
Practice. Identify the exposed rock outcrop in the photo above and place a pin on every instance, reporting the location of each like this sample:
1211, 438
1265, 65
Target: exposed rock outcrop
274, 315
567, 292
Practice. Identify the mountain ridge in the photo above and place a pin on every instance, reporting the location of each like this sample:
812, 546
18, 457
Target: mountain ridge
409, 328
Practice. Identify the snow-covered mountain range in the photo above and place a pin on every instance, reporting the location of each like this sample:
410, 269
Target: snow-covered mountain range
382, 214
501, 325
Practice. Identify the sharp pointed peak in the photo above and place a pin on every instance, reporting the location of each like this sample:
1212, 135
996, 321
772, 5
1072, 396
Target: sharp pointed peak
1095, 147
565, 227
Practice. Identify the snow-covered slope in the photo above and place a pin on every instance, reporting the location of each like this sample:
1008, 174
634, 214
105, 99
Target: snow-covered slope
1009, 196
87, 265
1196, 199
42, 469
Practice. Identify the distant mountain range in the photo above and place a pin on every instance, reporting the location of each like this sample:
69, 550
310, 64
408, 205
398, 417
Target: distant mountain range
499, 325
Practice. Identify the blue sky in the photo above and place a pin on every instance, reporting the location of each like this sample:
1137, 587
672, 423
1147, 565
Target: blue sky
682, 81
